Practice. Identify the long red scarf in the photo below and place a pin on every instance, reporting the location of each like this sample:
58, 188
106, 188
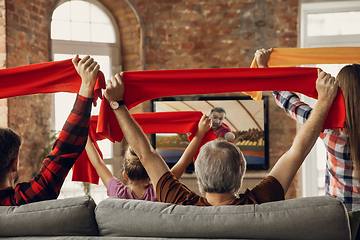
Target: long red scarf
49, 77
61, 76
146, 85
159, 122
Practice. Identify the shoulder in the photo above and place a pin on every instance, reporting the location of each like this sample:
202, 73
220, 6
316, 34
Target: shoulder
170, 190
225, 126
268, 190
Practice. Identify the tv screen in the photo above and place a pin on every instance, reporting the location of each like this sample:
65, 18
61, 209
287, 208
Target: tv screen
244, 117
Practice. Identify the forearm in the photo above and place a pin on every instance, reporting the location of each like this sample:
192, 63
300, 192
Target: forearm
98, 163
179, 168
292, 105
67, 148
73, 136
150, 159
310, 131
287, 166
133, 132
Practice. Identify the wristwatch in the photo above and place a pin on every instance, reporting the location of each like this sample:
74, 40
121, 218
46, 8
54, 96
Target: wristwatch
116, 105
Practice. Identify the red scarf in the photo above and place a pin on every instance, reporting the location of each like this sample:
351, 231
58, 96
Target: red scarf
49, 77
60, 76
159, 122
145, 85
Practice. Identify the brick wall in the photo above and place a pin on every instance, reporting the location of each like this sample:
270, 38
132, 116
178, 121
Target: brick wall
27, 42
3, 102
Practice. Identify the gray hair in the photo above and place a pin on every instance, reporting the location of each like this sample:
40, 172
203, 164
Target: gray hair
220, 167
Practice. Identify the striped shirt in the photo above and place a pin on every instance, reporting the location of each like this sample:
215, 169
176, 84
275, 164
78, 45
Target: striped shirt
340, 181
67, 148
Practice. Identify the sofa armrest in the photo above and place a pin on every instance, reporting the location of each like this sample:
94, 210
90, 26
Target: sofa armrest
60, 217
315, 218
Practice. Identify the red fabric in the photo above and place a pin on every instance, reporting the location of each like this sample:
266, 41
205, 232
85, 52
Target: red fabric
83, 170
49, 77
145, 85
159, 122
222, 130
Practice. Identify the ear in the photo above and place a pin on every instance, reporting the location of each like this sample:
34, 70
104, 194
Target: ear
15, 165
125, 176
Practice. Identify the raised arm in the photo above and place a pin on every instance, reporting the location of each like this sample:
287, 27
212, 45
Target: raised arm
98, 163
68, 146
287, 166
289, 101
150, 159
204, 126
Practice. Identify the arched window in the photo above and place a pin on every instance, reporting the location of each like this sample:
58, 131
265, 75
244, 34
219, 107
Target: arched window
84, 28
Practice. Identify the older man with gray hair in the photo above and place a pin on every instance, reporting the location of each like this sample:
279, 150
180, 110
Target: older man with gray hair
220, 166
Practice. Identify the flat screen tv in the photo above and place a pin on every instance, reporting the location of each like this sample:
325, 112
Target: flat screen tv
247, 119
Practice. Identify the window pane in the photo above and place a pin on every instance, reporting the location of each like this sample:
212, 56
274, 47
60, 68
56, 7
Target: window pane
80, 31
102, 33
80, 11
81, 21
60, 30
98, 16
62, 12
330, 24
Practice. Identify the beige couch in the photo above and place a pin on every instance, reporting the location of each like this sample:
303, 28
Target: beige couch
79, 218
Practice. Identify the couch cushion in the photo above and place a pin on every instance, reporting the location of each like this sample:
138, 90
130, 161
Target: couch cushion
317, 218
61, 217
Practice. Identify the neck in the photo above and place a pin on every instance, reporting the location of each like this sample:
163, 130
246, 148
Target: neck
220, 199
8, 182
139, 187
216, 128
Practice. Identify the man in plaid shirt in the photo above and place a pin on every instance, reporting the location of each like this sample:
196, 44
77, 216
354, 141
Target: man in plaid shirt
67, 148
340, 181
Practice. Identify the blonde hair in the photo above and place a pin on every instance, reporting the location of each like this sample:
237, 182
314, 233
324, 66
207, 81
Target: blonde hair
133, 167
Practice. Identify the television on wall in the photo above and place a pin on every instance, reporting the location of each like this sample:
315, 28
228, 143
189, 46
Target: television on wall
246, 118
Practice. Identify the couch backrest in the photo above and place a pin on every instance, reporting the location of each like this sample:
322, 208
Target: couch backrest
61, 217
315, 218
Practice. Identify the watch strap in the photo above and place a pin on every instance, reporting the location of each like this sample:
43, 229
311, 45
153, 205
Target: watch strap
121, 102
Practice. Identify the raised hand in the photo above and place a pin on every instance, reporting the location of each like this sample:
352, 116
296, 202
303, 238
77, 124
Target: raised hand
326, 86
115, 88
88, 70
262, 57
204, 124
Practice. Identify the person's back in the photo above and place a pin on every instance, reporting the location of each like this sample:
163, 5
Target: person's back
138, 182
342, 161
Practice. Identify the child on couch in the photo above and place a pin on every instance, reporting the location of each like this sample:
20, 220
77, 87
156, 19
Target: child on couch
139, 184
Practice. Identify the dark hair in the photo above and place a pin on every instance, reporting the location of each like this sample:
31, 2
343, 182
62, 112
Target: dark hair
133, 167
349, 78
9, 149
218, 109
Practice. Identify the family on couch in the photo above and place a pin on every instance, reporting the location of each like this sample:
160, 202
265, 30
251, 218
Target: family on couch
219, 167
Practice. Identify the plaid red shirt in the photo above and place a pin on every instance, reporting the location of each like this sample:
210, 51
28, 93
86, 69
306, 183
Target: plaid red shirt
340, 181
67, 148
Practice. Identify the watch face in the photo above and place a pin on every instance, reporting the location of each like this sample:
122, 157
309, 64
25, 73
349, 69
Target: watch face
114, 105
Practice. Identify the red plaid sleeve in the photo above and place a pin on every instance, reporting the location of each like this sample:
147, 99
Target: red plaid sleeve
67, 148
